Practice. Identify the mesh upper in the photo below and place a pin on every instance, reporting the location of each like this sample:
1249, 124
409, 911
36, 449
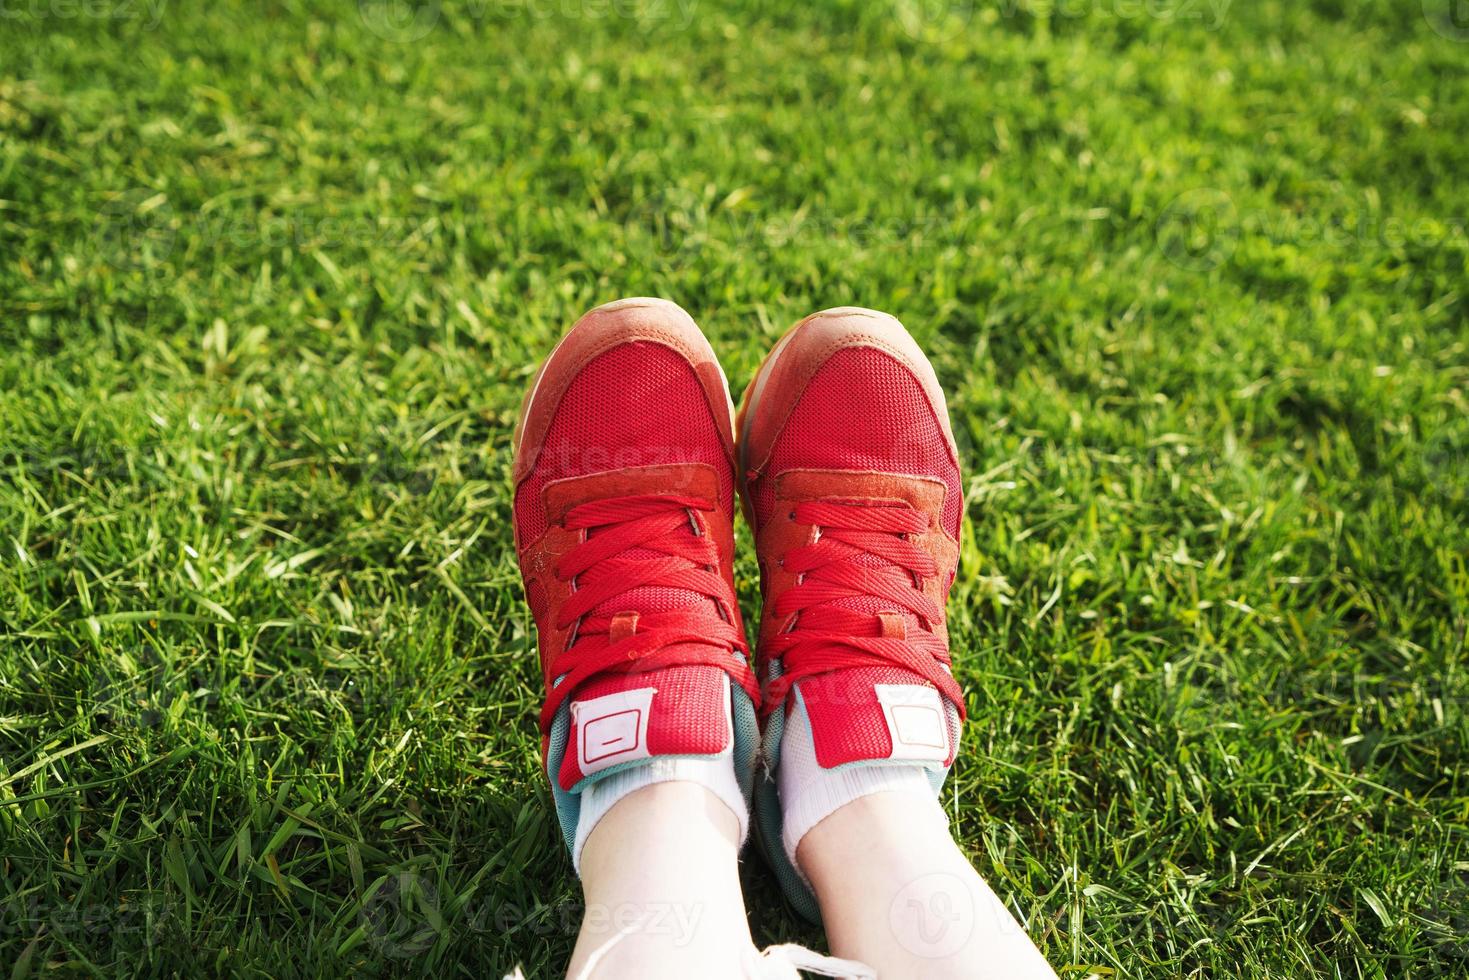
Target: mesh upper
863, 410
639, 404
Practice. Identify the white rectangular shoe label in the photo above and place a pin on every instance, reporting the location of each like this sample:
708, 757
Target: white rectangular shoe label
916, 722
612, 729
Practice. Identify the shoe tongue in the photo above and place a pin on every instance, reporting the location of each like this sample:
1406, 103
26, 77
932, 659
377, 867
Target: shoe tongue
887, 713
875, 606
647, 600
879, 714
644, 600
622, 718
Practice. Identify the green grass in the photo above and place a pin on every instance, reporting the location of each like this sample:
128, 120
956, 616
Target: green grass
271, 285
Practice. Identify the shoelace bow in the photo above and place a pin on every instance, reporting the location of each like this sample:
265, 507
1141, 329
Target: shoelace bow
785, 962
827, 637
688, 558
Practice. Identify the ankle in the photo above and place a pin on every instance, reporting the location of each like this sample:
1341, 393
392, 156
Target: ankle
897, 892
812, 794
680, 817
885, 834
665, 786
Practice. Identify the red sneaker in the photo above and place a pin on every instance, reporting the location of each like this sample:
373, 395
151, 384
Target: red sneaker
624, 497
851, 481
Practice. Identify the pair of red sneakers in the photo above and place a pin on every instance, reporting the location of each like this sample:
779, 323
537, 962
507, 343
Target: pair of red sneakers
628, 460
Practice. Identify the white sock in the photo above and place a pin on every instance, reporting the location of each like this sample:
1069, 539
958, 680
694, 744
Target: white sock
809, 793
716, 774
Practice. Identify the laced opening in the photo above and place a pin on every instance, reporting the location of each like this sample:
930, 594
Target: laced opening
644, 541
861, 551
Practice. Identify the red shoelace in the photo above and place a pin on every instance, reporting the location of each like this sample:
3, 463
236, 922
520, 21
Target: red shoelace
687, 558
827, 637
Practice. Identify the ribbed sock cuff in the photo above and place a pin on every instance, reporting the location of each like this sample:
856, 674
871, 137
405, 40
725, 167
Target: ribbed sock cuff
809, 793
716, 774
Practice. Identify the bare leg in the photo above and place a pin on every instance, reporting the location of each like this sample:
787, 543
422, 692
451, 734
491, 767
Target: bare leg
898, 894
661, 869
